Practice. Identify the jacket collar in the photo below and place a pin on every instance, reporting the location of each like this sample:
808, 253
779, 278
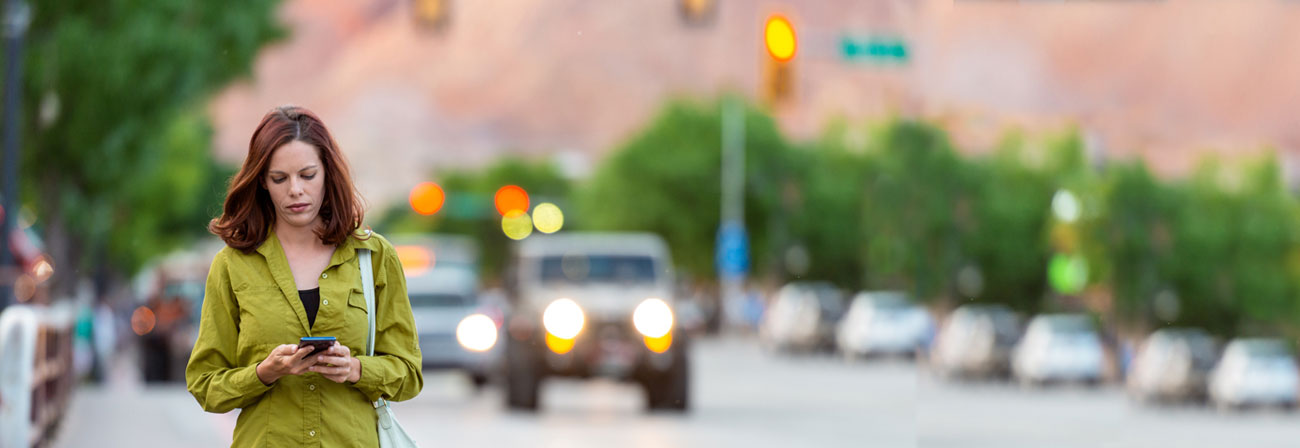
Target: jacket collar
273, 252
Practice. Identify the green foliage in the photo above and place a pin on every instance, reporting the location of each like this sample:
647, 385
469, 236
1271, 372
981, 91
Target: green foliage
893, 205
666, 180
827, 219
116, 152
913, 196
1005, 227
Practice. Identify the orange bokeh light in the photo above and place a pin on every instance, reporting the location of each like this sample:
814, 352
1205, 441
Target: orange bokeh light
427, 198
558, 344
415, 259
659, 344
510, 198
142, 320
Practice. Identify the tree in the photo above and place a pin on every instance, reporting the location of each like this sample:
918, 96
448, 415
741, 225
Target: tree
916, 205
832, 176
665, 180
117, 159
1004, 236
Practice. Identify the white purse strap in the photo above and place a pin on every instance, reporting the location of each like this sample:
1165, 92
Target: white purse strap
368, 288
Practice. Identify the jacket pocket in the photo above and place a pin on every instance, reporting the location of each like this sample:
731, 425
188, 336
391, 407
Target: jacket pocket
356, 322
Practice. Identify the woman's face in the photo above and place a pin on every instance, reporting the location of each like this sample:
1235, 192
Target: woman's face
296, 181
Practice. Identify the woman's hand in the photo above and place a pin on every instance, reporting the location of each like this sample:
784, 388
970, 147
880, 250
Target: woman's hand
284, 360
337, 364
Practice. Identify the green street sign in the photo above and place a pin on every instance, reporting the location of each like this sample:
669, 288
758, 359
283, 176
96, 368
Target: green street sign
877, 49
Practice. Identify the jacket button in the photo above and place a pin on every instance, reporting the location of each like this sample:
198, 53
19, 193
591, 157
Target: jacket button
311, 433
325, 301
311, 387
324, 275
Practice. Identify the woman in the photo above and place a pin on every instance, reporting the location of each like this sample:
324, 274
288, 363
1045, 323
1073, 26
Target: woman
290, 269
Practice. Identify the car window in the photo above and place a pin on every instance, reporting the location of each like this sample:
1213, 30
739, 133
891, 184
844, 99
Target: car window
582, 269
439, 300
1266, 350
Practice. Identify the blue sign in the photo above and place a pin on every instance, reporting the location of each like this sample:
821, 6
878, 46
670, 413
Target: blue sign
733, 250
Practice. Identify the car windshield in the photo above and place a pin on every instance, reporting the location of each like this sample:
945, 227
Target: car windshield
1070, 325
440, 300
598, 269
1266, 349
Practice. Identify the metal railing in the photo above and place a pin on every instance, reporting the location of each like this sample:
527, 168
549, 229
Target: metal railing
36, 372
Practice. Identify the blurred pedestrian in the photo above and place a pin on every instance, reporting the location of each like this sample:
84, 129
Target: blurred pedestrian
292, 224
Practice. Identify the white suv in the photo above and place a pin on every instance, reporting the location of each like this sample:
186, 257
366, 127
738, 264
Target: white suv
594, 304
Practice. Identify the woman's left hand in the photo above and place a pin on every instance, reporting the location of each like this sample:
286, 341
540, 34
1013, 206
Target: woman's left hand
337, 364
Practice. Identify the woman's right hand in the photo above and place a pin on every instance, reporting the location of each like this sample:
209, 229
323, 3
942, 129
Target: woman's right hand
287, 359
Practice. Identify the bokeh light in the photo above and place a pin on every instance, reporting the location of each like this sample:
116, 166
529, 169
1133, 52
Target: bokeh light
415, 260
548, 218
558, 344
660, 344
24, 287
142, 320
1068, 274
427, 198
653, 318
780, 38
477, 333
517, 225
43, 269
511, 198
563, 318
1065, 205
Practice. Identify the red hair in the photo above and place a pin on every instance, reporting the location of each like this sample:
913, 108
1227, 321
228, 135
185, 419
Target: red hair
248, 213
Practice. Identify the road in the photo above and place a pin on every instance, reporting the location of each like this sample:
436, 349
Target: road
743, 397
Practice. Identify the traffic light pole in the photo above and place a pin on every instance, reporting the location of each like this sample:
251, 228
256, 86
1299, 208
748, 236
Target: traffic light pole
733, 189
17, 17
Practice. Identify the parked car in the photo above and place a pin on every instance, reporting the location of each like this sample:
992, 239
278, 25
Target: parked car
884, 323
1172, 364
1059, 347
1255, 372
456, 329
803, 316
595, 304
976, 340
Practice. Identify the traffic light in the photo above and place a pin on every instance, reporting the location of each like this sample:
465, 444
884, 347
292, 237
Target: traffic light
778, 72
697, 12
432, 14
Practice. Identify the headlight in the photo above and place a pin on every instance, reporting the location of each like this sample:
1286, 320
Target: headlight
563, 318
653, 318
477, 332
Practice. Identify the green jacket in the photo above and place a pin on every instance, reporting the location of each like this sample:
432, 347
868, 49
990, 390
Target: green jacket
252, 305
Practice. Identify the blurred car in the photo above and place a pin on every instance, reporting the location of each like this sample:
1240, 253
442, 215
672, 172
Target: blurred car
803, 316
1059, 347
976, 340
173, 288
884, 323
1255, 372
1172, 364
456, 330
595, 304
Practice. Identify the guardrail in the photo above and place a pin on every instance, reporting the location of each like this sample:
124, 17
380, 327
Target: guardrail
36, 372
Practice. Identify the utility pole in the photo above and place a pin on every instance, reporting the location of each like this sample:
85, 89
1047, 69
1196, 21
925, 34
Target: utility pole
17, 17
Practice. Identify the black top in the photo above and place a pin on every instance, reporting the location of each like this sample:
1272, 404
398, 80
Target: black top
311, 302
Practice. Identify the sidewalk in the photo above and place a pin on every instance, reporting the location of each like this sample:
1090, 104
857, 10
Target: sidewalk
124, 412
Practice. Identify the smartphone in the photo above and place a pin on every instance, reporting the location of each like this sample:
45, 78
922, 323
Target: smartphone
317, 344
